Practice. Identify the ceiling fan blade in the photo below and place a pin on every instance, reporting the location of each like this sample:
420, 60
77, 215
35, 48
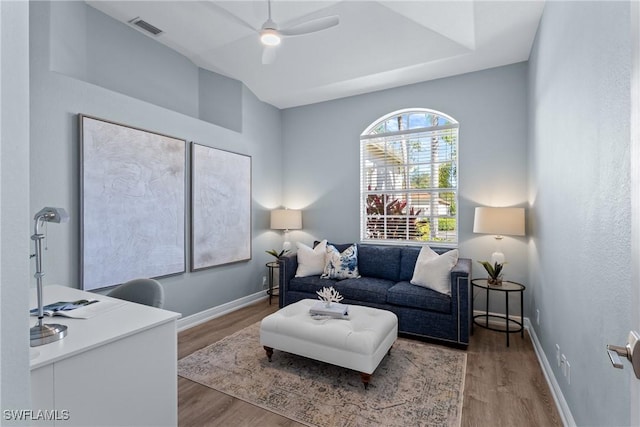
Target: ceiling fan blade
312, 26
268, 55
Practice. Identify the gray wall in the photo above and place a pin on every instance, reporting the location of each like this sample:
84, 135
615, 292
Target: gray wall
322, 157
580, 268
14, 206
67, 79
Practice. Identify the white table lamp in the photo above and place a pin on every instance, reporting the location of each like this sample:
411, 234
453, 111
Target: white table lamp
286, 219
499, 222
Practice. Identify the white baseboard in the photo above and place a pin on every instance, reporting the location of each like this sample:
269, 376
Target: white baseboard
214, 312
558, 397
556, 392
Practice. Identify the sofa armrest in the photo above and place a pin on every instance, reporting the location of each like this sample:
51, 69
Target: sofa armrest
288, 265
460, 297
460, 275
463, 267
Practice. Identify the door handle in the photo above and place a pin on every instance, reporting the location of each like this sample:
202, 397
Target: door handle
631, 352
615, 351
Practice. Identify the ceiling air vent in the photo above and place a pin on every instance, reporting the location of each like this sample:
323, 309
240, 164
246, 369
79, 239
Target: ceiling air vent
145, 26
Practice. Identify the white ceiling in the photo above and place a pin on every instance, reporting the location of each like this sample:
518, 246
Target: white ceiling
377, 45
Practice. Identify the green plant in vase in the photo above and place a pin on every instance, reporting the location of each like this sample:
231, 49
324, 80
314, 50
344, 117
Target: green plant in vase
277, 254
494, 271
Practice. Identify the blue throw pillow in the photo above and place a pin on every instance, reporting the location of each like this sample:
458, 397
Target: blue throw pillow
341, 265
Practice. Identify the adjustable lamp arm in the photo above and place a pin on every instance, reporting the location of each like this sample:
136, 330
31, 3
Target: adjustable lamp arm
40, 333
56, 215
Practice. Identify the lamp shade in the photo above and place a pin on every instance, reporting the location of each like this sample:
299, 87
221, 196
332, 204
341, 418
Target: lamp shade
286, 219
499, 221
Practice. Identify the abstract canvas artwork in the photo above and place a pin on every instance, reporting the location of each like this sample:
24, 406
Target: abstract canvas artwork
133, 189
220, 207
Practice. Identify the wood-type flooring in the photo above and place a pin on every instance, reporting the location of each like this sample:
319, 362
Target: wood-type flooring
503, 386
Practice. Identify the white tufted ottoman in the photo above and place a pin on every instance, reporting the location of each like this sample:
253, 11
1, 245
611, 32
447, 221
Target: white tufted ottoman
359, 343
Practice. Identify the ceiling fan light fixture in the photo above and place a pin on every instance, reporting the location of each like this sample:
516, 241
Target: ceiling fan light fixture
270, 37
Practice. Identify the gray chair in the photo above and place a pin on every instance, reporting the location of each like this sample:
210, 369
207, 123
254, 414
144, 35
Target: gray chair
141, 291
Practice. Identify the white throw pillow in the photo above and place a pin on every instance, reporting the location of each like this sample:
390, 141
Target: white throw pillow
434, 272
311, 260
426, 254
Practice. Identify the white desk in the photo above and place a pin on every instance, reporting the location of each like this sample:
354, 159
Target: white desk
118, 368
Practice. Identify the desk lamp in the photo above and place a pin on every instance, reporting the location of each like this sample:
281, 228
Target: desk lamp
45, 333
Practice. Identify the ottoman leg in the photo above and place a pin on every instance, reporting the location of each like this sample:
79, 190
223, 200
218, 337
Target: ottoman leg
269, 351
365, 379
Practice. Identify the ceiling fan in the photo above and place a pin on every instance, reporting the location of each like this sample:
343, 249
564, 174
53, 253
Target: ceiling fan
271, 36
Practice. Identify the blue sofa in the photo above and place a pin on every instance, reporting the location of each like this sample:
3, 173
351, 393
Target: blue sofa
384, 283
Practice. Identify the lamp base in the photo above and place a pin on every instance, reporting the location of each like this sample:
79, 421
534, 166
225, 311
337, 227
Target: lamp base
45, 334
497, 257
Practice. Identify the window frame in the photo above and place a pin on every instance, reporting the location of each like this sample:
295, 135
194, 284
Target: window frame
452, 127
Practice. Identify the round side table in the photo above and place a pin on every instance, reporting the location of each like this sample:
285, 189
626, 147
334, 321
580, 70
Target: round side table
507, 288
273, 267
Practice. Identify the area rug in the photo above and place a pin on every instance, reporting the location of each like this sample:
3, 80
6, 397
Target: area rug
417, 384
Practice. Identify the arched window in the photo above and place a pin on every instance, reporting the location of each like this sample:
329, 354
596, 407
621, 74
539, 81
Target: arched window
409, 178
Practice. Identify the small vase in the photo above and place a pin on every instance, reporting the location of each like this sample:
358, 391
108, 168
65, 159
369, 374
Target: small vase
494, 281
327, 304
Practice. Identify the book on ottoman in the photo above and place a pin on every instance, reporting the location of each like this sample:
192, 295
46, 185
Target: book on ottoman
337, 310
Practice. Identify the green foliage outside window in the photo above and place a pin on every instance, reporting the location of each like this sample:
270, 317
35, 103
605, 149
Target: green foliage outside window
424, 230
414, 176
446, 224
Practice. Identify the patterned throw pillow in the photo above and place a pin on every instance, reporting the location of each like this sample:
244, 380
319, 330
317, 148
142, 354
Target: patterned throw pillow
341, 265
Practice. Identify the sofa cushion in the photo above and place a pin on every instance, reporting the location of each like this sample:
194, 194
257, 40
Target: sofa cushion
311, 261
339, 246
363, 289
408, 258
309, 284
379, 261
341, 265
433, 271
407, 295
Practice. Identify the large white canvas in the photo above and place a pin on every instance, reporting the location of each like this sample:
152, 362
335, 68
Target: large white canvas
133, 204
220, 206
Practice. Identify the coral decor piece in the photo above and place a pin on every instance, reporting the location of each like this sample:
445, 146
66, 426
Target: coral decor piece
329, 295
